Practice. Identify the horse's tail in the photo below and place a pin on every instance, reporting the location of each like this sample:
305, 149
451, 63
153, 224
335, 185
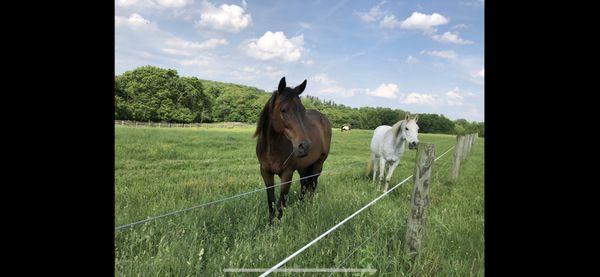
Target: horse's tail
370, 164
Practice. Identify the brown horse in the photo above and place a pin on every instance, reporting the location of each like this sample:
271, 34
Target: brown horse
290, 138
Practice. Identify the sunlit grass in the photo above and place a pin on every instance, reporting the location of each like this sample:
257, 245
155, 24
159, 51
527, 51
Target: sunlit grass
160, 170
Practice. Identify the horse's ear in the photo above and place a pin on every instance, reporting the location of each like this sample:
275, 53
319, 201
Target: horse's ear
407, 116
282, 85
416, 118
299, 89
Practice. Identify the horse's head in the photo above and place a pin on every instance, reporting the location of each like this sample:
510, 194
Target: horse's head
410, 131
287, 116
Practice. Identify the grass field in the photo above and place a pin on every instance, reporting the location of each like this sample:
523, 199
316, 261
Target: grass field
159, 170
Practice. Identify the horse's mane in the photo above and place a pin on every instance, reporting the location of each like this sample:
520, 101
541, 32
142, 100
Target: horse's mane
397, 128
263, 121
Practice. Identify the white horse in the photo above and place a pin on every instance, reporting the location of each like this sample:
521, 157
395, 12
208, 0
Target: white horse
388, 145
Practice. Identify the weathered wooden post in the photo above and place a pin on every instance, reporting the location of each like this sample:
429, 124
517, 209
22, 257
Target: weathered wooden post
456, 159
467, 148
462, 148
420, 198
136, 124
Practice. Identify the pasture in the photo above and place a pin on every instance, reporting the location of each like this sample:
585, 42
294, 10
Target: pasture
159, 170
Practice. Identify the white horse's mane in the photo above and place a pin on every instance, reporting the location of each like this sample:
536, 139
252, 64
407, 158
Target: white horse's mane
397, 128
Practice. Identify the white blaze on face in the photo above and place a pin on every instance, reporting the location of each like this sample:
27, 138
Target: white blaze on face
411, 131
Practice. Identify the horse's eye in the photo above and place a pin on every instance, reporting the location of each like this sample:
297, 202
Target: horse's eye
283, 110
406, 129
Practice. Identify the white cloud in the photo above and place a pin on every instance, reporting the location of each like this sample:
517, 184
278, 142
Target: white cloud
183, 47
451, 38
126, 3
197, 62
389, 21
229, 18
454, 98
323, 85
418, 98
134, 20
446, 54
212, 43
373, 14
459, 26
304, 25
473, 112
308, 62
155, 4
477, 76
276, 46
422, 22
138, 37
252, 73
385, 91
173, 3
411, 60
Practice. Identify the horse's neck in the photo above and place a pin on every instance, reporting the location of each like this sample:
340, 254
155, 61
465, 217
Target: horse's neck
397, 141
274, 141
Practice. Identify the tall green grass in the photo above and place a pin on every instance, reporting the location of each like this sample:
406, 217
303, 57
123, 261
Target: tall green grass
159, 170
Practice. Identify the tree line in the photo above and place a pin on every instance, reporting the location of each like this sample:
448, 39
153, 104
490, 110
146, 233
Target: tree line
155, 94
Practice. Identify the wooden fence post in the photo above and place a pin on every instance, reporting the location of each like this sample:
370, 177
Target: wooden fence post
136, 124
456, 159
420, 198
467, 138
463, 148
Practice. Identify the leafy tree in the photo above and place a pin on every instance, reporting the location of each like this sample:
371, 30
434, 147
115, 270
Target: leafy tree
156, 94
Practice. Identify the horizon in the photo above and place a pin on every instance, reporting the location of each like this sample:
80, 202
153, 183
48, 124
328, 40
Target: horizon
323, 100
415, 56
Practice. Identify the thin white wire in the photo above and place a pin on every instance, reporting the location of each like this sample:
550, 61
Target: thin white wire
361, 244
339, 224
214, 202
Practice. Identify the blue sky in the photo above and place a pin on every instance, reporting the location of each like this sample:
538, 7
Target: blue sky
419, 56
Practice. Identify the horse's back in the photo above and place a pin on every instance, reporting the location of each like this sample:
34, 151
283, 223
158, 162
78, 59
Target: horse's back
378, 136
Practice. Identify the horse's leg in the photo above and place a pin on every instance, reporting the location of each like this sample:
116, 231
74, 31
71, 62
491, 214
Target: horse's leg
317, 168
304, 183
375, 167
382, 163
269, 182
389, 175
286, 177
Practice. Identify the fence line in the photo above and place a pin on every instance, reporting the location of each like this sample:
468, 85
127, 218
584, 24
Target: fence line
164, 124
464, 144
216, 201
340, 224
360, 245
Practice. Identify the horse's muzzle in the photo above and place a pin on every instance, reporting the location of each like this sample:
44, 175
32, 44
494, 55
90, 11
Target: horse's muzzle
413, 145
303, 148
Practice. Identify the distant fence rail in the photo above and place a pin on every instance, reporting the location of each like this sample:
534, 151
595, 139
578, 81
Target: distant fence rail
179, 125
